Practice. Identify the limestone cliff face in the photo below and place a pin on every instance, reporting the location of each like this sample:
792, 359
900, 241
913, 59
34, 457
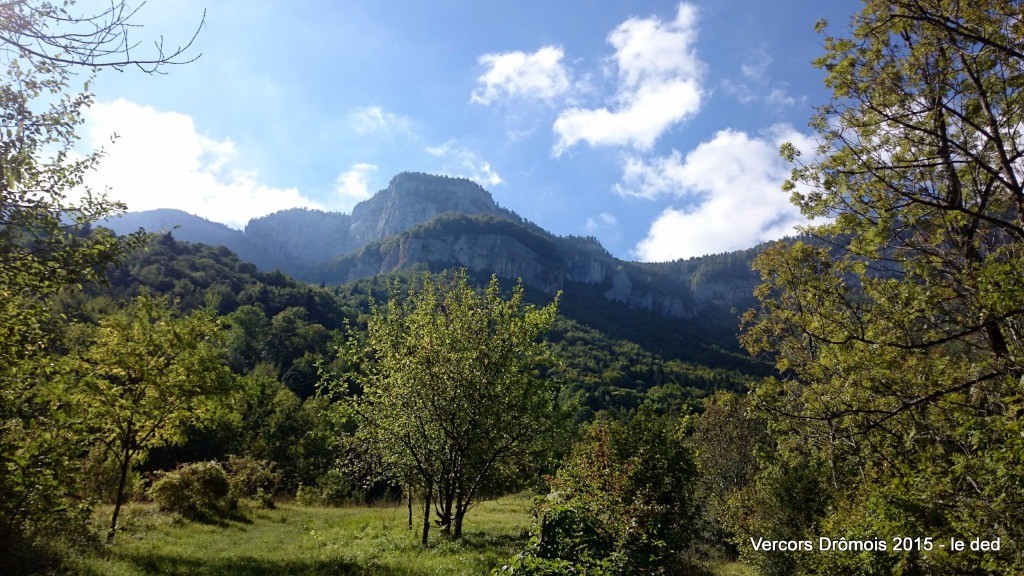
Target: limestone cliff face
439, 222
494, 253
412, 199
516, 250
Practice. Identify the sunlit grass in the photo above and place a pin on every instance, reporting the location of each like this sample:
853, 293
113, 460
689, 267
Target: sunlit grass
304, 540
301, 540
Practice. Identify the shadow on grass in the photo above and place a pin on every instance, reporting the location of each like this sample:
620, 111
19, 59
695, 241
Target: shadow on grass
484, 542
249, 566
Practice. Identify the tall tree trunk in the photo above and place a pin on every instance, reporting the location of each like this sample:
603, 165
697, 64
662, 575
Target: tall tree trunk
119, 498
446, 496
460, 513
426, 510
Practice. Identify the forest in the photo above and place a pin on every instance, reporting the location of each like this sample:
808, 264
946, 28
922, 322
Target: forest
875, 429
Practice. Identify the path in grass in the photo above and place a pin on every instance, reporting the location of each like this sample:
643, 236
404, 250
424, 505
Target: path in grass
293, 540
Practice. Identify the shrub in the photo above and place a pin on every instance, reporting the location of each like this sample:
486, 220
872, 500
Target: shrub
200, 491
254, 479
622, 503
334, 488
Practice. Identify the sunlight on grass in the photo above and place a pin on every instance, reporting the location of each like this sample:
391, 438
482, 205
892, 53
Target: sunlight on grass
308, 541
311, 541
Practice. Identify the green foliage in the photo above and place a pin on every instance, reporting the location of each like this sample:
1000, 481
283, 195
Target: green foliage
622, 503
272, 318
254, 479
452, 395
142, 377
898, 330
728, 441
101, 474
601, 373
46, 245
198, 491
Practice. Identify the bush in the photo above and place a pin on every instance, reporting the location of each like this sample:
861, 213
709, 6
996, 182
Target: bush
621, 503
199, 491
254, 479
334, 488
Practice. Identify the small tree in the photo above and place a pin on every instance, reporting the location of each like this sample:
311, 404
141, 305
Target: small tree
144, 376
45, 244
454, 393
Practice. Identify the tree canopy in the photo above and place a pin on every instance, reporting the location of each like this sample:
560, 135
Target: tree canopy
454, 394
898, 324
142, 377
46, 243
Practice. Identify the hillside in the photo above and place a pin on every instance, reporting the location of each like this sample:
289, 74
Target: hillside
684, 309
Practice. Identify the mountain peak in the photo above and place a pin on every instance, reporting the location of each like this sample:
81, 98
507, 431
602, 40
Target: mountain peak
414, 198
439, 181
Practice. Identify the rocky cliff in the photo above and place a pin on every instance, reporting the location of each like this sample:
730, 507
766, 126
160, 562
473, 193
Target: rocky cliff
412, 199
437, 222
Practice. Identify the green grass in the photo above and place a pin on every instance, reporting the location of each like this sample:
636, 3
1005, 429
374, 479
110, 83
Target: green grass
300, 540
730, 569
294, 540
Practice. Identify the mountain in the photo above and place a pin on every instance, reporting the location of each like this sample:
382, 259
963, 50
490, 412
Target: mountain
430, 222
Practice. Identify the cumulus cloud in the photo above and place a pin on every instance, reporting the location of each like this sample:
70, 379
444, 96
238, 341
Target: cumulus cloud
659, 85
463, 162
537, 76
353, 186
159, 160
731, 188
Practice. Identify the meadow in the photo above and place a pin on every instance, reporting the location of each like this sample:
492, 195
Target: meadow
302, 540
311, 541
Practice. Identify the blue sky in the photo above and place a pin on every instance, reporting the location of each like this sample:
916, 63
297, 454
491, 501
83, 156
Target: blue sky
653, 126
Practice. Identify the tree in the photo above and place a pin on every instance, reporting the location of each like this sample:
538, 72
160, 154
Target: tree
898, 326
54, 35
46, 245
453, 394
143, 377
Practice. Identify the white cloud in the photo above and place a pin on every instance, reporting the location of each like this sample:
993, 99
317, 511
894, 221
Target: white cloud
603, 219
659, 77
732, 187
159, 160
463, 162
757, 68
370, 119
353, 186
536, 76
780, 97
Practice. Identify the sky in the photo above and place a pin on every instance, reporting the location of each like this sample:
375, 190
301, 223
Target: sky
652, 126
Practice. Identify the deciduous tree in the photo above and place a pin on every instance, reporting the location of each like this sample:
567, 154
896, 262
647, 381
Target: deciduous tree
145, 376
454, 392
45, 241
899, 325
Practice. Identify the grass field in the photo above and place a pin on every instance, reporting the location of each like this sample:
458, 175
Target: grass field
299, 540
311, 541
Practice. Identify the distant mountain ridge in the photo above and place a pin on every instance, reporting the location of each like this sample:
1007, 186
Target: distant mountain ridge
423, 221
